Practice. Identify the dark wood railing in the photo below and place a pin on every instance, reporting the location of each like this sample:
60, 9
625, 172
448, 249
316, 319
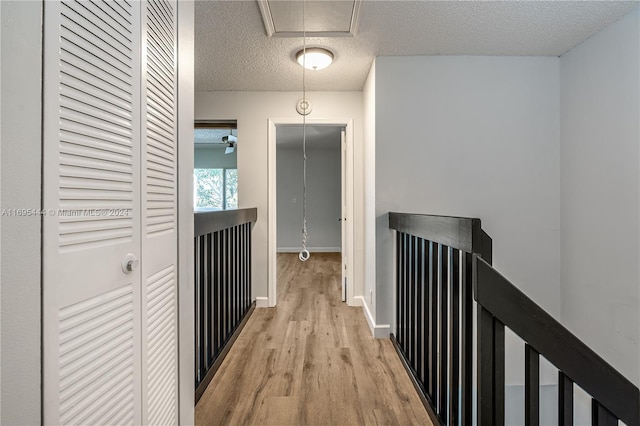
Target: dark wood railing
223, 300
434, 314
501, 304
443, 264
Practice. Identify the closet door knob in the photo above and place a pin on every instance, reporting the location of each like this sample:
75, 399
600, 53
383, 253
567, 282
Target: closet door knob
130, 264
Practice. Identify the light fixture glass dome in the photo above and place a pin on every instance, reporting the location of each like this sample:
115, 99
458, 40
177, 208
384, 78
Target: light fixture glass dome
315, 58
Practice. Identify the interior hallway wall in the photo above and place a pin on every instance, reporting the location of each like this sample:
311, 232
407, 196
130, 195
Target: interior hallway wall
21, 61
252, 110
478, 137
600, 193
323, 198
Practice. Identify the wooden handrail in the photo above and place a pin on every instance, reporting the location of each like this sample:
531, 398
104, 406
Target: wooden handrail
208, 222
461, 233
557, 344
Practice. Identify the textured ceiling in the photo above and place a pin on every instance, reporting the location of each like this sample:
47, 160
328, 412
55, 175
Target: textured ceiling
233, 52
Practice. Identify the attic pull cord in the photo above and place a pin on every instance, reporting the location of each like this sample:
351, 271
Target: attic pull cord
304, 253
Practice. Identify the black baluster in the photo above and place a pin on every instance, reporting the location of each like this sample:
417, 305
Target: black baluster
600, 416
433, 351
565, 400
531, 386
454, 353
466, 330
443, 348
410, 299
399, 286
419, 319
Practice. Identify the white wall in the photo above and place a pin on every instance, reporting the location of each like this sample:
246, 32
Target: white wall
600, 193
252, 110
21, 54
323, 198
472, 136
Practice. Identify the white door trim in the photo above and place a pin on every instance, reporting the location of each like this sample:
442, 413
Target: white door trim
345, 242
272, 233
186, 292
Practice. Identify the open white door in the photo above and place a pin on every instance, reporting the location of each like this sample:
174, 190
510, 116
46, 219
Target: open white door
109, 226
343, 217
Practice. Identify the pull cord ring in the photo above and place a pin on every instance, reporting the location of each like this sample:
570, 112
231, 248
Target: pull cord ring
304, 255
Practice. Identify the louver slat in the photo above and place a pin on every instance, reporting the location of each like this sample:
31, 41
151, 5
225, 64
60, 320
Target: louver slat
96, 124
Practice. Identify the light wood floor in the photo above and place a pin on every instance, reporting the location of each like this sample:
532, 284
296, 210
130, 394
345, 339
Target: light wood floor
310, 361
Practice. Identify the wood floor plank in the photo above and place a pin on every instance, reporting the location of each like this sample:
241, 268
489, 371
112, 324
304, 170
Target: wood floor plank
310, 361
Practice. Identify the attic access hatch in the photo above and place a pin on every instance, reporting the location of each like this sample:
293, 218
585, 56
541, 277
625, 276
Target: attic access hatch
323, 18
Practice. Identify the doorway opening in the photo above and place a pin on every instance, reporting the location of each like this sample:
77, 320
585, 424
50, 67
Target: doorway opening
329, 195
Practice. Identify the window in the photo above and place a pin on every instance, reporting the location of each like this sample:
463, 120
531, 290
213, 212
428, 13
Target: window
215, 174
215, 188
231, 188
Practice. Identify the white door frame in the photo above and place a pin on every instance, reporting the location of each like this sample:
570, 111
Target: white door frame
345, 242
272, 203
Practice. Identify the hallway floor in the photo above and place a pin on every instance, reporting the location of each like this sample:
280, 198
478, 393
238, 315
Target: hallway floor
310, 361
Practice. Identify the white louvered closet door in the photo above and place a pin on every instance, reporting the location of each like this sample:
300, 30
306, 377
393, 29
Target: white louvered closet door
109, 334
159, 219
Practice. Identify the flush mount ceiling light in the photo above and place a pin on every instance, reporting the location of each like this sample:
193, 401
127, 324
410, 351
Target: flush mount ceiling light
314, 58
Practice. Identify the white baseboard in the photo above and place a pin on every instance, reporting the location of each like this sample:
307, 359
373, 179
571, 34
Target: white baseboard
357, 301
378, 331
262, 302
311, 249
